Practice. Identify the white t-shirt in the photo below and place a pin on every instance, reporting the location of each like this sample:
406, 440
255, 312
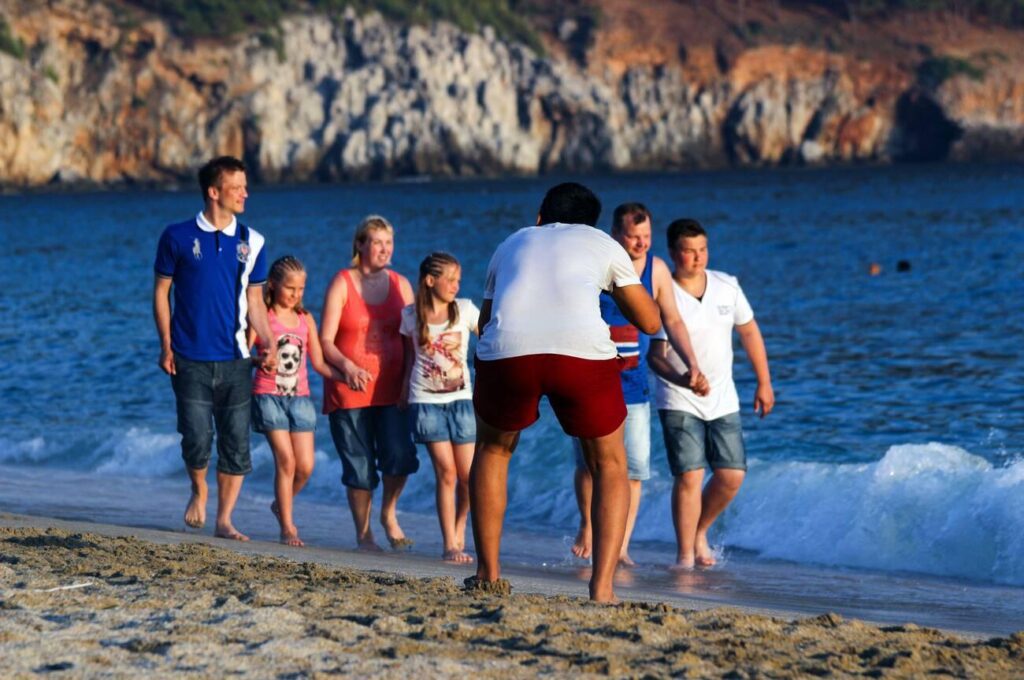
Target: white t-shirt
709, 321
545, 283
442, 375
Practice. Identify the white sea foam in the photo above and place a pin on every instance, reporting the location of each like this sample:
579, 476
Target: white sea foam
33, 450
926, 508
929, 508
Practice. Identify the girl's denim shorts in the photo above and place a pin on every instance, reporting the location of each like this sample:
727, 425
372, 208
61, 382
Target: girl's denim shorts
453, 422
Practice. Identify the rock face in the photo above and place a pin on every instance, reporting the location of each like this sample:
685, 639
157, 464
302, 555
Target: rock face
99, 97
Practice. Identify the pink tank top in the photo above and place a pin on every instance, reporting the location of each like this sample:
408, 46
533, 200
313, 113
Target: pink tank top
368, 335
292, 377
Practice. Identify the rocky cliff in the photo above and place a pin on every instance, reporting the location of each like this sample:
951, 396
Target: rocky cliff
101, 94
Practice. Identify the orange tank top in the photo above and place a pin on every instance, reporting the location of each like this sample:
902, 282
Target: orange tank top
368, 335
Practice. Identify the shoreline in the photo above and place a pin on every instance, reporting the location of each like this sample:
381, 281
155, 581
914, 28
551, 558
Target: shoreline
104, 599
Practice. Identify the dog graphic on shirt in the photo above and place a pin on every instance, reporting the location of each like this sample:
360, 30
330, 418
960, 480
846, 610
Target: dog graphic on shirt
289, 361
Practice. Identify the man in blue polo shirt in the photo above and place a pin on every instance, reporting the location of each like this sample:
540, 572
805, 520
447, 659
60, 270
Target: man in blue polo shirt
217, 267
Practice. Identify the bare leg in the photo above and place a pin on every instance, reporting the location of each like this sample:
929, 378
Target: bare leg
195, 511
635, 488
583, 484
228, 487
442, 455
284, 482
360, 502
719, 492
606, 458
463, 463
488, 495
304, 449
393, 485
686, 505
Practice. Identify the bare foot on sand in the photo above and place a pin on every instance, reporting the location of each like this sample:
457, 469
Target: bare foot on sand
396, 537
228, 531
582, 546
626, 561
195, 511
457, 556
291, 537
703, 555
368, 544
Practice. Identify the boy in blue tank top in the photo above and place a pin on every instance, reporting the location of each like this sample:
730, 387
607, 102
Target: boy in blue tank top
631, 227
217, 267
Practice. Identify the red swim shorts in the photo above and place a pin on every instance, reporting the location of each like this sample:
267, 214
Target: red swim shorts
585, 394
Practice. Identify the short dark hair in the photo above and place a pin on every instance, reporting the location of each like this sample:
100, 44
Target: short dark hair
570, 203
684, 228
629, 213
210, 174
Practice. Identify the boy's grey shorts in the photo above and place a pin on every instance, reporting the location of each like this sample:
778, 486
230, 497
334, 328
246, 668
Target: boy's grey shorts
691, 443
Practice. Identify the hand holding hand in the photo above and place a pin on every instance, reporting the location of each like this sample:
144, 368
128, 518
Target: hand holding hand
699, 383
268, 360
357, 378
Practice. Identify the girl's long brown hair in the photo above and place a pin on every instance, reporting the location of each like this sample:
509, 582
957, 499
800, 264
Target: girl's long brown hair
432, 265
282, 267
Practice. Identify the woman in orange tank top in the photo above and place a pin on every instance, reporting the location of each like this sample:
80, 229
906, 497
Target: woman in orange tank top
359, 334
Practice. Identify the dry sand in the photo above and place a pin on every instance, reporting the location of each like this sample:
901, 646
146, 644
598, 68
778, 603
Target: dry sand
198, 610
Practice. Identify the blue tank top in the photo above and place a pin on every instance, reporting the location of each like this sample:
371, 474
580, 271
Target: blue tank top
632, 345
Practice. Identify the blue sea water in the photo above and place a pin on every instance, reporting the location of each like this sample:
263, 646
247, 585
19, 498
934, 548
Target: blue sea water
896, 446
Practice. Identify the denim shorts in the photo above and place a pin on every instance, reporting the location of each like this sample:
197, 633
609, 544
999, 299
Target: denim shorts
692, 443
209, 393
276, 412
637, 435
372, 441
453, 422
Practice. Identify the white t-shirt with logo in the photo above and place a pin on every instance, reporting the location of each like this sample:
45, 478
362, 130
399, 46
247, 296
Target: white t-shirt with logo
709, 321
545, 283
440, 375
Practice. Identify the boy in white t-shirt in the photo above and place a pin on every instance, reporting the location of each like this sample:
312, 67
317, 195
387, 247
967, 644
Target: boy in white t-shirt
705, 430
542, 335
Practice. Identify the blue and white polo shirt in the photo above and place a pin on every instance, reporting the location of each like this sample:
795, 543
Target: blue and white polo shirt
211, 270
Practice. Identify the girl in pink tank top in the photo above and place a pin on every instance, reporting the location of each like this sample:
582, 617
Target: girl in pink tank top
281, 405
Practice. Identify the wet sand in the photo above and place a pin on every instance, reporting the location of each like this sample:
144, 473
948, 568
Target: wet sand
88, 600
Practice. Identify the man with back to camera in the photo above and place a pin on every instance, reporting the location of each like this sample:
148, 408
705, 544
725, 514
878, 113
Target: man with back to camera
217, 267
631, 227
705, 430
542, 335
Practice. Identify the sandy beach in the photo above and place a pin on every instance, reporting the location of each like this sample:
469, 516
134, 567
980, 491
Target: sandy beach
100, 600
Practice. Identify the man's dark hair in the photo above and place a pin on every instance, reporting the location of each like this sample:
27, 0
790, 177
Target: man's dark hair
210, 174
627, 214
684, 228
570, 203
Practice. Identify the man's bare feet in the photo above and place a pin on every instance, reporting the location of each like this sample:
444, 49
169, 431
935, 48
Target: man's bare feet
457, 556
582, 547
683, 563
228, 531
292, 538
703, 555
195, 511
